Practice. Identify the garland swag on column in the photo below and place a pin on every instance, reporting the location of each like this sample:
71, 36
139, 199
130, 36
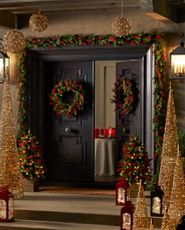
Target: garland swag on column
154, 39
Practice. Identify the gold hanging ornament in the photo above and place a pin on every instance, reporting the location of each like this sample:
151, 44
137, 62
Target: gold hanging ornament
14, 41
121, 26
38, 22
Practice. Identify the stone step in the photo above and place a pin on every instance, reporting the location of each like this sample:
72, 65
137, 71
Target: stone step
67, 210
51, 225
70, 217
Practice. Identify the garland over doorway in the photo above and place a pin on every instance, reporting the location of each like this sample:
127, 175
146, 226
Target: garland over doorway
139, 39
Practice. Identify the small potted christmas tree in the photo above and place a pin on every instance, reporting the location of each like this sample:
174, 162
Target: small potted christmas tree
135, 165
31, 160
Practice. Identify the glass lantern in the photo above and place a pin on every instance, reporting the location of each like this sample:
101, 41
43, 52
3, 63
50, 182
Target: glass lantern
122, 192
157, 201
177, 62
6, 204
127, 213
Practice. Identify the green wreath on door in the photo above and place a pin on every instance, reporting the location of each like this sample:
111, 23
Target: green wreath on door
125, 96
67, 98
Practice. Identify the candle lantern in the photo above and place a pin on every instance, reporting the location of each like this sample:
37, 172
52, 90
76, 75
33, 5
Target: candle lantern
6, 204
122, 192
127, 216
157, 201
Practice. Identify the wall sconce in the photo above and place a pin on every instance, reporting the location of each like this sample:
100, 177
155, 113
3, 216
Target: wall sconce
6, 204
4, 63
157, 201
122, 192
177, 62
127, 213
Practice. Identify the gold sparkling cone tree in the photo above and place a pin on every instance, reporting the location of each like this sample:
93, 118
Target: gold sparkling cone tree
9, 168
177, 199
169, 149
141, 218
170, 141
165, 221
151, 225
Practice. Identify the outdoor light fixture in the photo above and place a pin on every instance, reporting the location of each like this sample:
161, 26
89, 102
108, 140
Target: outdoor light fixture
122, 192
157, 201
127, 216
4, 63
177, 62
6, 204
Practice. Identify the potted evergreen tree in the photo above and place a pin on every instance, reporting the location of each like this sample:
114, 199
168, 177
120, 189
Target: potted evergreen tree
135, 165
31, 161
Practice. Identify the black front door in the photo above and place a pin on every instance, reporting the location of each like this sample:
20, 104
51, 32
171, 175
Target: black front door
132, 124
68, 141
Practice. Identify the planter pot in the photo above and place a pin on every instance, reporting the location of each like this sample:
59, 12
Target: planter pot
30, 185
134, 188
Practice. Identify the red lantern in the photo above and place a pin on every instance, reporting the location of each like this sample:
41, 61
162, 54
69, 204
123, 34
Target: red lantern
6, 204
127, 213
122, 192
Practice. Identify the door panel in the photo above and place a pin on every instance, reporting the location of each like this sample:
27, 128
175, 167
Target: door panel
69, 144
132, 124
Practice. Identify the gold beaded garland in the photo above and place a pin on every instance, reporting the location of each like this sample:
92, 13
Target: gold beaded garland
121, 26
38, 22
14, 41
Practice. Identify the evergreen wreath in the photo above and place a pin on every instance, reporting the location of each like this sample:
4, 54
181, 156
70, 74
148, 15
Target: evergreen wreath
125, 96
67, 98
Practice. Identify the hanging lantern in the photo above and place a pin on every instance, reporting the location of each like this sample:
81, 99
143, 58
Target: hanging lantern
14, 41
127, 216
177, 62
157, 201
6, 204
38, 22
122, 192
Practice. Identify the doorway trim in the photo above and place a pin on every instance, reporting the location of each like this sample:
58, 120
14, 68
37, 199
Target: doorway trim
130, 44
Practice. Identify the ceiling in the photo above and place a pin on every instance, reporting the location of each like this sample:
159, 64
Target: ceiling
22, 9
19, 11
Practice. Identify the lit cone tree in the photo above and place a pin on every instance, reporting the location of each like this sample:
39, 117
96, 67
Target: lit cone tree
177, 199
141, 217
165, 221
151, 225
169, 150
9, 168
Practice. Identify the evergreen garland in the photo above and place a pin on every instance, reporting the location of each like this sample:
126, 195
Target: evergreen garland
138, 39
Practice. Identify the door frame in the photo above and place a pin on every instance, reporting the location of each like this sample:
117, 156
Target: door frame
34, 61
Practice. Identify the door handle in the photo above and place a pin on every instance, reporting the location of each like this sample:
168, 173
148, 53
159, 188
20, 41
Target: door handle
68, 130
126, 130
